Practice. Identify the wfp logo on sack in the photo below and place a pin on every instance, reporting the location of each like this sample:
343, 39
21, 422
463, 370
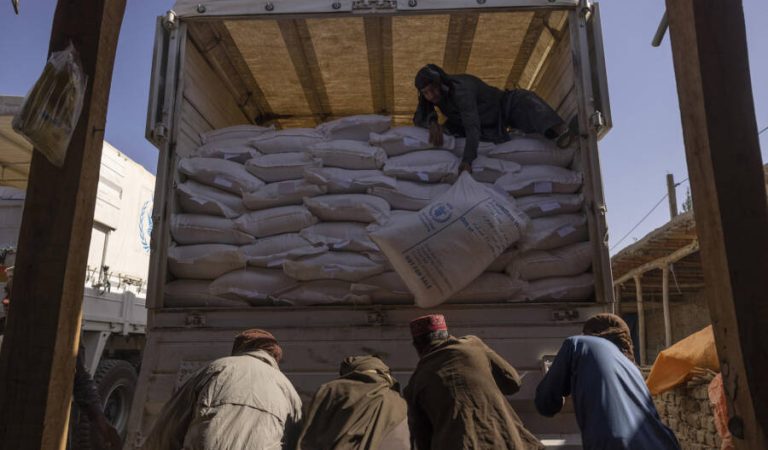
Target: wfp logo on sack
441, 212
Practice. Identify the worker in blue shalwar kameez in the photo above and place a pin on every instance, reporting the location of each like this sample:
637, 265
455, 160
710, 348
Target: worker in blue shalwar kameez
613, 406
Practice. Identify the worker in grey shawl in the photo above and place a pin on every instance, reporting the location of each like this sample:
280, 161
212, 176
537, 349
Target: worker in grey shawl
360, 410
240, 402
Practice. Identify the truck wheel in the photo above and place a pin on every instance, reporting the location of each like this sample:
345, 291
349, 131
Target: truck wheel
116, 382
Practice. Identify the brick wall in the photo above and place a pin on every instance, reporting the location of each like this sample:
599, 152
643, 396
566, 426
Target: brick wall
688, 316
687, 412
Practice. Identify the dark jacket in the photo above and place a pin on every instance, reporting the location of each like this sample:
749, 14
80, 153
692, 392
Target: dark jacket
456, 400
472, 109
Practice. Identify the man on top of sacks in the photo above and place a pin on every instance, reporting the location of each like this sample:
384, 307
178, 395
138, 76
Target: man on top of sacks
456, 396
478, 111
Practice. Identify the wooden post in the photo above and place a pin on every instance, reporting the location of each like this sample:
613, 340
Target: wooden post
709, 49
665, 303
672, 194
640, 319
37, 362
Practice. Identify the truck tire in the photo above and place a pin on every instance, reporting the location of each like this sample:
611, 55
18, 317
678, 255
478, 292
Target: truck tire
116, 382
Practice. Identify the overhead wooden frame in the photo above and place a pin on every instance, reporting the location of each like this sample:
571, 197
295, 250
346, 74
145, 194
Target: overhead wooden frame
524, 53
299, 43
458, 45
215, 43
324, 60
378, 39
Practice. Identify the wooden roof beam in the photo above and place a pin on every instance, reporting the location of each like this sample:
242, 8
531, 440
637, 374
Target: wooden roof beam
37, 359
458, 45
532, 35
218, 48
658, 263
727, 182
378, 39
298, 41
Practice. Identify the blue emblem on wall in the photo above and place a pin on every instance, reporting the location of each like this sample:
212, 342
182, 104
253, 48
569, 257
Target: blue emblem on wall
145, 225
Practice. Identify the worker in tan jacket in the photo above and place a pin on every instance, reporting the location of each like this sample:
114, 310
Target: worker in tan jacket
240, 402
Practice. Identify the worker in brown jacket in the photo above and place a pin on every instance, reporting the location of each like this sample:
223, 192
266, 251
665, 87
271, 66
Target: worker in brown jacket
456, 396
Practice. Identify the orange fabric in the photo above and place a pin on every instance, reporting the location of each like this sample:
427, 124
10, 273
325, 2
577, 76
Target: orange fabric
720, 411
673, 365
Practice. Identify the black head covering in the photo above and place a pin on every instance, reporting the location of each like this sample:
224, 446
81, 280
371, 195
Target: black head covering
430, 74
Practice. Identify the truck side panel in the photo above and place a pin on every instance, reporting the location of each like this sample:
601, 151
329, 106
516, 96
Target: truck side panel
314, 341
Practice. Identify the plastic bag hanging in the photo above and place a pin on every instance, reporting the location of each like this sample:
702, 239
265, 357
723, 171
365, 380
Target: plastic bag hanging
50, 112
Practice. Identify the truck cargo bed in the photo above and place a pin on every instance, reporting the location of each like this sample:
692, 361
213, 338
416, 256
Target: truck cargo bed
303, 63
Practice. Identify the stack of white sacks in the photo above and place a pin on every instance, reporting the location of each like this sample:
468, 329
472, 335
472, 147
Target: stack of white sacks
267, 217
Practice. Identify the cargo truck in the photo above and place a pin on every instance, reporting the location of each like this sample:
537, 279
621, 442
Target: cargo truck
298, 63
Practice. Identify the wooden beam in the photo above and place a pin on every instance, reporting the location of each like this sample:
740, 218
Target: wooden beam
37, 362
660, 262
458, 45
709, 49
530, 40
665, 303
220, 51
299, 44
640, 319
378, 39
672, 195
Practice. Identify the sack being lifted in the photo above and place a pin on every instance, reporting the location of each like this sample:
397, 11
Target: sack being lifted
449, 243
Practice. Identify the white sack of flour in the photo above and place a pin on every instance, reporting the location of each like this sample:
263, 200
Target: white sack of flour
201, 199
347, 154
566, 261
288, 140
345, 181
406, 139
409, 195
273, 251
356, 128
220, 173
282, 193
333, 266
532, 180
440, 250
345, 236
189, 229
429, 166
279, 220
204, 261
281, 166
254, 285
348, 208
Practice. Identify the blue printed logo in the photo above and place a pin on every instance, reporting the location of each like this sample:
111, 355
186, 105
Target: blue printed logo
145, 225
441, 212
